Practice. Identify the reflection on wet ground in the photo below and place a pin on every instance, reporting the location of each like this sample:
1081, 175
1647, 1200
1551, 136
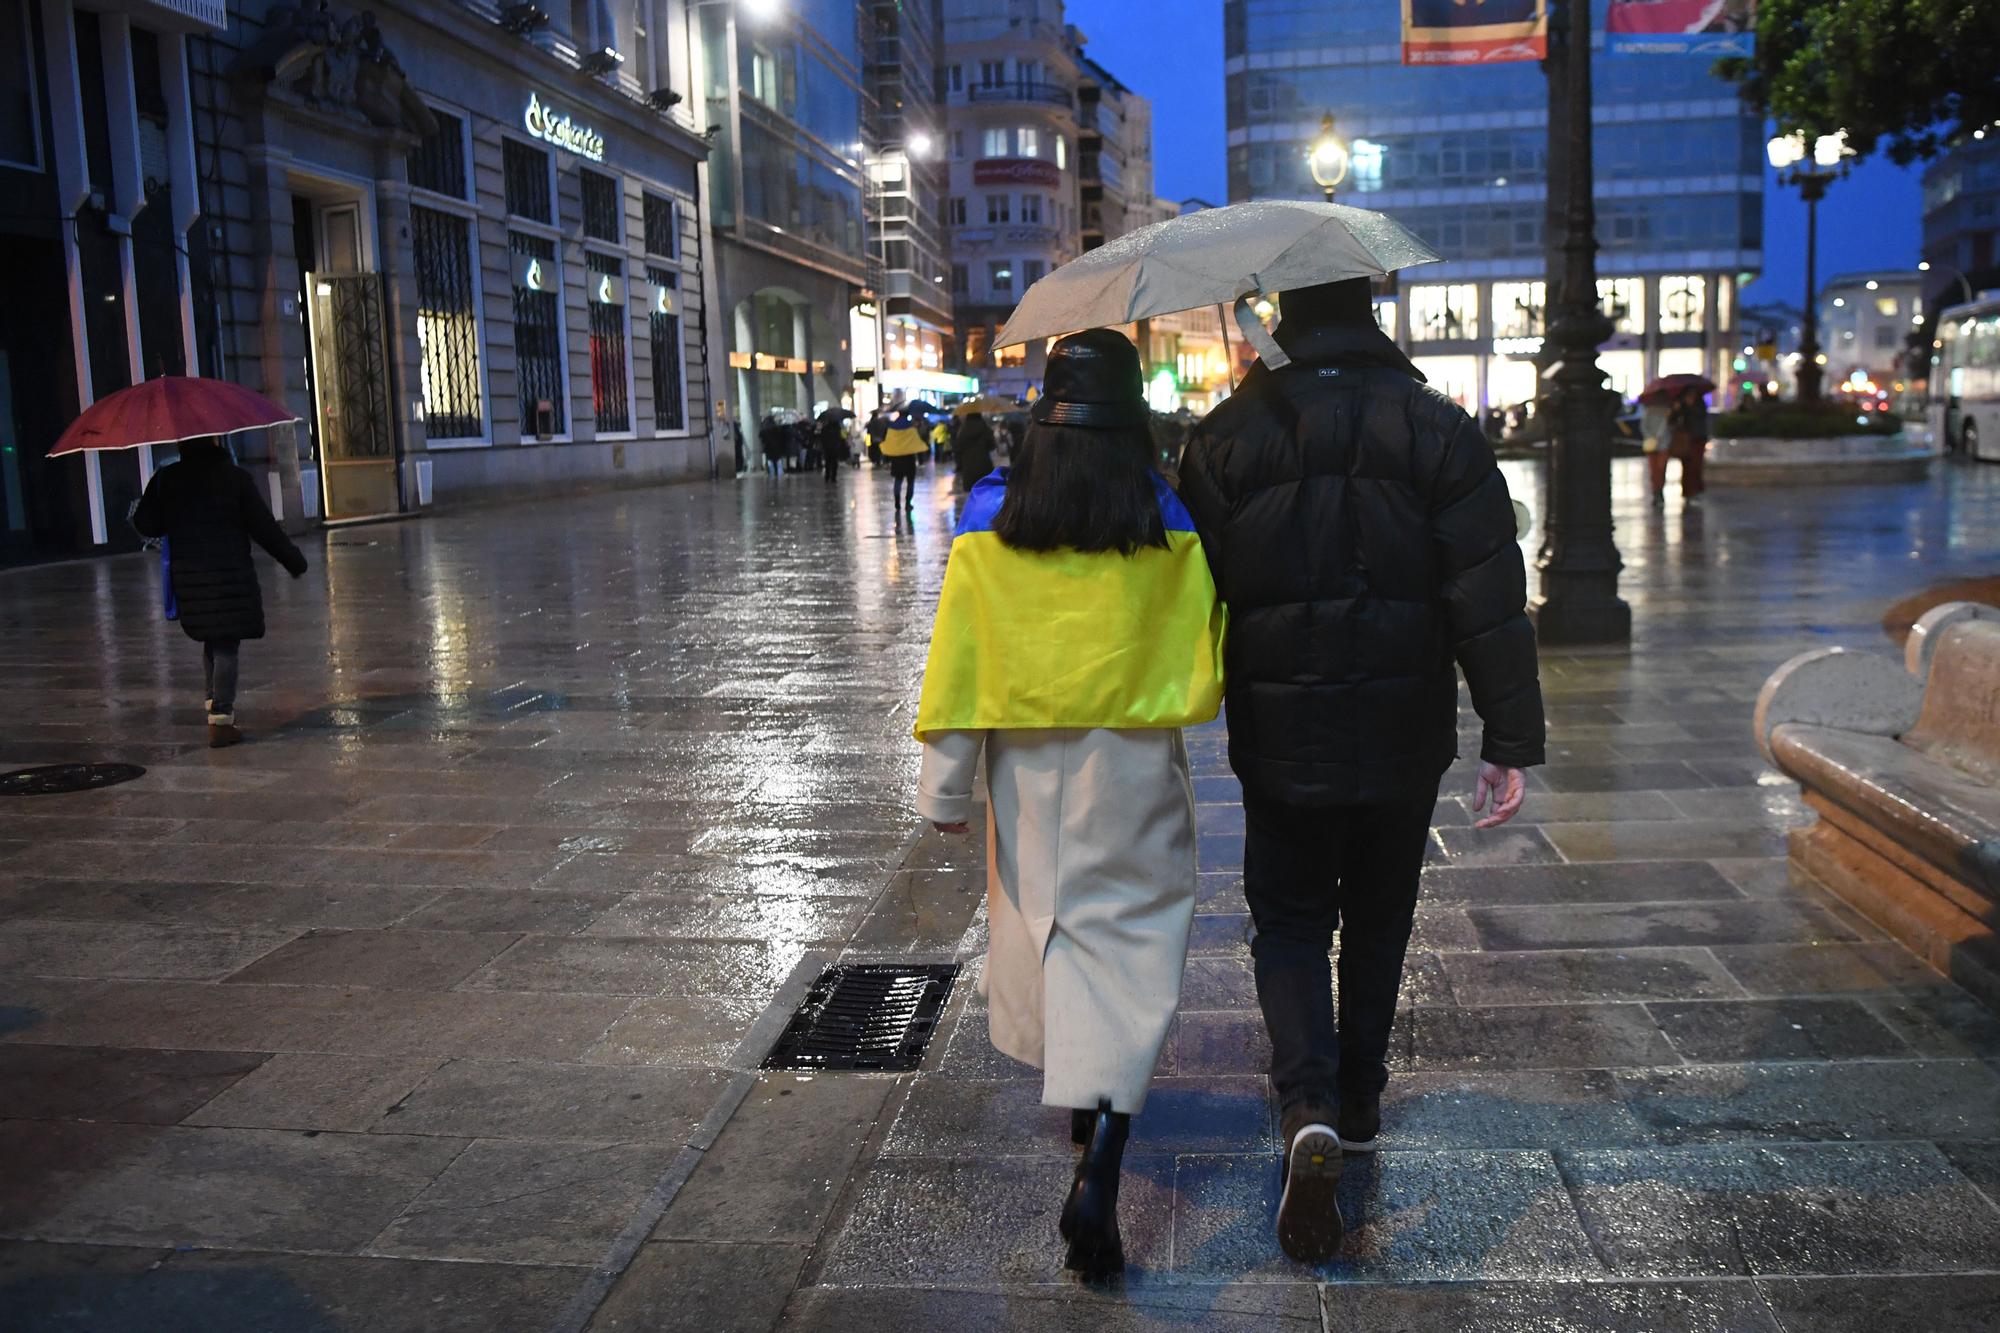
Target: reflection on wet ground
428, 1006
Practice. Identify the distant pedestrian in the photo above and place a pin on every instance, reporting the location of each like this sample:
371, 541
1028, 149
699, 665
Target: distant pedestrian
209, 512
1687, 429
832, 438
1364, 543
1041, 659
774, 437
902, 445
972, 451
878, 430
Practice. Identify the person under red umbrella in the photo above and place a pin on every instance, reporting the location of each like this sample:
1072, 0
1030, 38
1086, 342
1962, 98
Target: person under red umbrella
1677, 428
208, 510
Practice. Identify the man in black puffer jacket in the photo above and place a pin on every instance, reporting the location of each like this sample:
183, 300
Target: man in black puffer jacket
1363, 539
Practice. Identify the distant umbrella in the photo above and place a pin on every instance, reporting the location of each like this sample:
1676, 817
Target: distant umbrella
1669, 387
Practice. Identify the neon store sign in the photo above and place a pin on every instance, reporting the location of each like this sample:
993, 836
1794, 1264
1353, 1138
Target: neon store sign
554, 127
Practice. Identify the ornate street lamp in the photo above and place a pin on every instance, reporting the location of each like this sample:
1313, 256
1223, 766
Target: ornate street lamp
1828, 163
1579, 562
1329, 157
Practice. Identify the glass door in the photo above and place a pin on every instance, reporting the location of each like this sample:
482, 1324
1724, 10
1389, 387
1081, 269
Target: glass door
351, 395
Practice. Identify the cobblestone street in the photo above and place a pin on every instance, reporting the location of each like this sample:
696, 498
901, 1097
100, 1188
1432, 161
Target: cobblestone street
438, 1004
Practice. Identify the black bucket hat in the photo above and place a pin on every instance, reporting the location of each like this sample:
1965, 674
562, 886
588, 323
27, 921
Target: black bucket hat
1093, 380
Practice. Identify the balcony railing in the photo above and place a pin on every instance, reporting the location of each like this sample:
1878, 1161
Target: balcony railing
1053, 93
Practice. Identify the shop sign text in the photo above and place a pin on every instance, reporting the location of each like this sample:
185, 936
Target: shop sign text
554, 127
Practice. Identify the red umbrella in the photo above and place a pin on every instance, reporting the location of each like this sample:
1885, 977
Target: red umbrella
167, 410
1669, 387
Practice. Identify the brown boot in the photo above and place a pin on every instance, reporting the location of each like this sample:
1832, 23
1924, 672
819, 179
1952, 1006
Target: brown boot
223, 734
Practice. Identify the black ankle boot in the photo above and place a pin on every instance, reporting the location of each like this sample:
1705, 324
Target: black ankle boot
1090, 1218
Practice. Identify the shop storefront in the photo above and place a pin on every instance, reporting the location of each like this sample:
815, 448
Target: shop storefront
474, 269
99, 251
1480, 343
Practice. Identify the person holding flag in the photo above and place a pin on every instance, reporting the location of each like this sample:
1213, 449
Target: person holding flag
902, 446
1077, 633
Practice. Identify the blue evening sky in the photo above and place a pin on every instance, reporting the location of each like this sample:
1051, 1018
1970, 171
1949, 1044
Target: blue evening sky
1171, 51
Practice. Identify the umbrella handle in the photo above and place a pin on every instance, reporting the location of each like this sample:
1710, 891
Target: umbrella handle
1254, 332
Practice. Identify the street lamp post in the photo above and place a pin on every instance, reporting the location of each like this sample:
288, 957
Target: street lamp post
1828, 163
1579, 563
1329, 157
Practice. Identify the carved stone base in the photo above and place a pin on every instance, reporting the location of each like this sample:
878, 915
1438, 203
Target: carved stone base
1946, 922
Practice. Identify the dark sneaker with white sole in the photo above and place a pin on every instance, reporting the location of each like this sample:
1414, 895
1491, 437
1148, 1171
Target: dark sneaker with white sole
1309, 1225
1360, 1121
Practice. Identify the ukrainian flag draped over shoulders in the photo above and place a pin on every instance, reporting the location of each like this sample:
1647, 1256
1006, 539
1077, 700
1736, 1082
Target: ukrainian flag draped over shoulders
1059, 639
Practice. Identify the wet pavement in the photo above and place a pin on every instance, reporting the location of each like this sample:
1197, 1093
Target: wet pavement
437, 1005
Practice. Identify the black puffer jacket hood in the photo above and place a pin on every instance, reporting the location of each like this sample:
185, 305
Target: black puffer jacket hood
1363, 538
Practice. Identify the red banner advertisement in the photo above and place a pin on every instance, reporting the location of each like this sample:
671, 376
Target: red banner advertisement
1016, 171
1474, 32
1697, 27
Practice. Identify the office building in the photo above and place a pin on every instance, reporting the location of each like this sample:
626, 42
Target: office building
1010, 83
1460, 155
1962, 221
903, 340
786, 100
1866, 322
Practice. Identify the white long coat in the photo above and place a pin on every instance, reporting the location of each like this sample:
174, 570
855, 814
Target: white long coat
1090, 890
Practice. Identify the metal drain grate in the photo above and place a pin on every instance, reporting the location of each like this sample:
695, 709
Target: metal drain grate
876, 1016
54, 779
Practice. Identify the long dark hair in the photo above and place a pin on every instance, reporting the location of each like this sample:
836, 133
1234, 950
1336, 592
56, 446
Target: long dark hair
1087, 490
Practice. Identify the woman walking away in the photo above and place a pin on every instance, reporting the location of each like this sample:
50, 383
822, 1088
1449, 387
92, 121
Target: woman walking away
1078, 632
209, 511
902, 446
972, 451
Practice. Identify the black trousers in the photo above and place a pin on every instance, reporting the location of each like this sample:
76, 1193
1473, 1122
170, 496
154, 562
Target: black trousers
904, 472
1308, 871
218, 671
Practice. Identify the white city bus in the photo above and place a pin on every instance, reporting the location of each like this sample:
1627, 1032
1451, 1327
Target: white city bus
1965, 379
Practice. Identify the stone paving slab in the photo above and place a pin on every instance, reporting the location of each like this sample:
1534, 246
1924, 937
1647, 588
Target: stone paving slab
1782, 1209
235, 1188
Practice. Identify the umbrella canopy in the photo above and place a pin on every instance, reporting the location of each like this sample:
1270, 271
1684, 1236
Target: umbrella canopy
986, 404
168, 410
1217, 256
1669, 387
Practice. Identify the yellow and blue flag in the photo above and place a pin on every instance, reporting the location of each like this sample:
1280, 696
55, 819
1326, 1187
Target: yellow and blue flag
1058, 639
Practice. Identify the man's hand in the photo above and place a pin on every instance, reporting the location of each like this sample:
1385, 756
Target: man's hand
952, 828
1508, 787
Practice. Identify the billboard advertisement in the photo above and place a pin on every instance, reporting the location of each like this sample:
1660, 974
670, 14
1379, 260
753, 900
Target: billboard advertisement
1474, 32
1683, 27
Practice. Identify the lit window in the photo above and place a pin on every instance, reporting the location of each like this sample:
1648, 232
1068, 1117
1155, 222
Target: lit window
1518, 309
993, 143
1000, 277
1028, 141
1062, 153
1446, 313
1683, 304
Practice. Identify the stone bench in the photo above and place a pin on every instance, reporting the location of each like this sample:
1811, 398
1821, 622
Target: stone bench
1902, 765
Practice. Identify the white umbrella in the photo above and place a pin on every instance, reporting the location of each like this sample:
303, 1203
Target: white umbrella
1217, 256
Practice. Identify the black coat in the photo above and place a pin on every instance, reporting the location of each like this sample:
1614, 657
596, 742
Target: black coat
209, 511
972, 450
1363, 539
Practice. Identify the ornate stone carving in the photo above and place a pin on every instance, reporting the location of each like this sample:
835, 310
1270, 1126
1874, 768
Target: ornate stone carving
333, 64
